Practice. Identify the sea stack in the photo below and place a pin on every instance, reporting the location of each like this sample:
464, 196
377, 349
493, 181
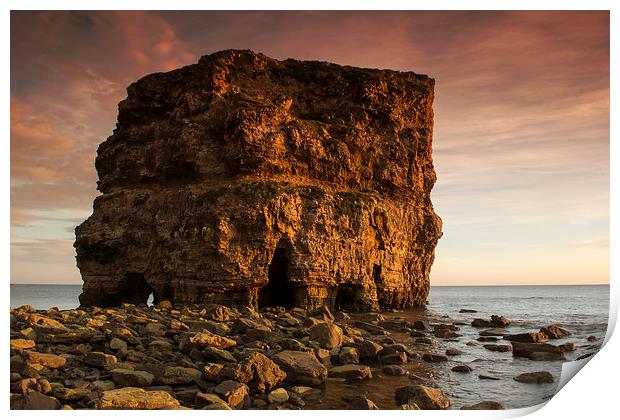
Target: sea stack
248, 181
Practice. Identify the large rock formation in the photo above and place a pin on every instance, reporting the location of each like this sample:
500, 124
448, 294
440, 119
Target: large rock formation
245, 180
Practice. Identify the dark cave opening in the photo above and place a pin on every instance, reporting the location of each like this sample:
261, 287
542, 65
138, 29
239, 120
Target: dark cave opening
376, 274
345, 297
135, 289
278, 291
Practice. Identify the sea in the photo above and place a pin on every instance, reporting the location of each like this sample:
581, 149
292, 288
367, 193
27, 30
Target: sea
583, 310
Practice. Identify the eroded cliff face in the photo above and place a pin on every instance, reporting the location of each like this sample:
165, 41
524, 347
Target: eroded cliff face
244, 180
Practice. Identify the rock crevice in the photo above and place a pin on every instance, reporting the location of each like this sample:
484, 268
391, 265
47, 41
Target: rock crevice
244, 180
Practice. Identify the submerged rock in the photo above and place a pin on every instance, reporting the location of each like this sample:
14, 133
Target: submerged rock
485, 405
542, 377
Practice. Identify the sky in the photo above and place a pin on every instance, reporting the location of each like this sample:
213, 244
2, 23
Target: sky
521, 140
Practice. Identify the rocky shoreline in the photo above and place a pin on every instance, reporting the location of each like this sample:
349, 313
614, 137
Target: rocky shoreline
216, 357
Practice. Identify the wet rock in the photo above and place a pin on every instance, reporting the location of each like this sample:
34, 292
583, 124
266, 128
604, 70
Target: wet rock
259, 372
34, 400
592, 338
498, 347
360, 402
538, 337
567, 347
351, 372
234, 393
132, 378
48, 360
488, 377
136, 399
537, 351
99, 359
394, 370
179, 375
369, 350
487, 339
394, 358
554, 332
434, 358
485, 405
420, 326
348, 355
301, 368
453, 352
278, 396
217, 406
327, 334
411, 406
496, 321
426, 398
493, 332
542, 377
467, 311
461, 369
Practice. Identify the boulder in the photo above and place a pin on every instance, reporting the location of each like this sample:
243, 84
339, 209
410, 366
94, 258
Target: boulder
234, 393
538, 337
327, 334
542, 377
485, 405
278, 396
351, 372
348, 355
136, 399
496, 321
434, 358
99, 359
368, 350
206, 339
22, 344
131, 378
554, 332
461, 369
34, 400
394, 370
48, 360
301, 368
537, 351
360, 402
179, 375
259, 372
498, 347
425, 397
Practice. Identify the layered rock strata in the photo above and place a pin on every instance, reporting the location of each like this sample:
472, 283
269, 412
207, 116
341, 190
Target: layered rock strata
248, 181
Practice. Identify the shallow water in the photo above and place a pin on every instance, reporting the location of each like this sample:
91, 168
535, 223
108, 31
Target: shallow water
583, 310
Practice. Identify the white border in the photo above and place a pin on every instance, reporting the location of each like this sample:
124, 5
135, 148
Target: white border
591, 395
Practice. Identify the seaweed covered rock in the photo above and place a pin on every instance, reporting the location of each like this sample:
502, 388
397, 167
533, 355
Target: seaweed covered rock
248, 181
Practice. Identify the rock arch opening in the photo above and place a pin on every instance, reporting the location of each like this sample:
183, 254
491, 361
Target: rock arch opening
278, 291
135, 289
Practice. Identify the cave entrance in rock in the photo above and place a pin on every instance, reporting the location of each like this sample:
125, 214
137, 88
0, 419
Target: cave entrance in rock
345, 297
135, 289
278, 291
